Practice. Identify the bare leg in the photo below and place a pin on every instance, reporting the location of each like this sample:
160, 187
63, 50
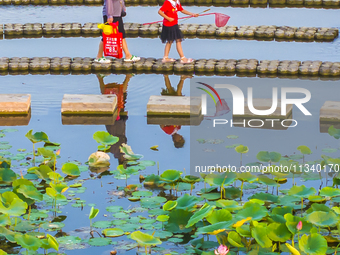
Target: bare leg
168, 84
126, 50
180, 85
100, 50
167, 49
179, 48
101, 84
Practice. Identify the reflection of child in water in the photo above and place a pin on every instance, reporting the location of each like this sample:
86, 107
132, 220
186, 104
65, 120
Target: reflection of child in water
119, 127
170, 91
176, 138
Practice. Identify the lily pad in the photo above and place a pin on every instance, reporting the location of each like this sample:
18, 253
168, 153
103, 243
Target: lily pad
113, 232
265, 156
28, 242
70, 169
144, 239
301, 191
334, 132
323, 219
199, 215
314, 244
99, 241
234, 239
102, 224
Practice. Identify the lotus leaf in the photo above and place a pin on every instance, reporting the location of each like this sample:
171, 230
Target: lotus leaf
102, 224
316, 199
163, 218
59, 187
128, 153
52, 226
232, 193
278, 232
315, 244
260, 234
70, 169
230, 205
69, 240
146, 163
267, 181
31, 192
241, 149
330, 192
219, 216
329, 150
37, 137
99, 241
224, 179
121, 215
43, 172
234, 239
24, 227
105, 138
11, 204
244, 231
7, 175
292, 249
3, 252
114, 222
292, 222
318, 207
304, 149
187, 202
93, 213
144, 239
99, 159
113, 232
9, 235
130, 227
199, 215
151, 180
46, 153
51, 243
142, 193
301, 191
241, 222
211, 196
114, 208
168, 206
334, 132
170, 176
28, 242
265, 156
323, 219
265, 197
4, 220
191, 179
161, 234
178, 219
253, 210
152, 201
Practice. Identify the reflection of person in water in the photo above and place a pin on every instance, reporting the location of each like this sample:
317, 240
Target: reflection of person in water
170, 91
119, 127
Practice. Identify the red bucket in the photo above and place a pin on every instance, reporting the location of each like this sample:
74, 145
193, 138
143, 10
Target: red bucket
113, 43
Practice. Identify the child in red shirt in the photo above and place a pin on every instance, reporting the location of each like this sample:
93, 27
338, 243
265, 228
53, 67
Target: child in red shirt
170, 30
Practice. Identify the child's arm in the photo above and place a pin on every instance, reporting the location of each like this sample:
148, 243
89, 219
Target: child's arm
189, 13
165, 16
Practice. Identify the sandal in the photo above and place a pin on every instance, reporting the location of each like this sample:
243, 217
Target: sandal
132, 59
168, 60
187, 61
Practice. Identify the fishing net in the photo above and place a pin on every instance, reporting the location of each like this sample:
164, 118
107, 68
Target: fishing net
221, 19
